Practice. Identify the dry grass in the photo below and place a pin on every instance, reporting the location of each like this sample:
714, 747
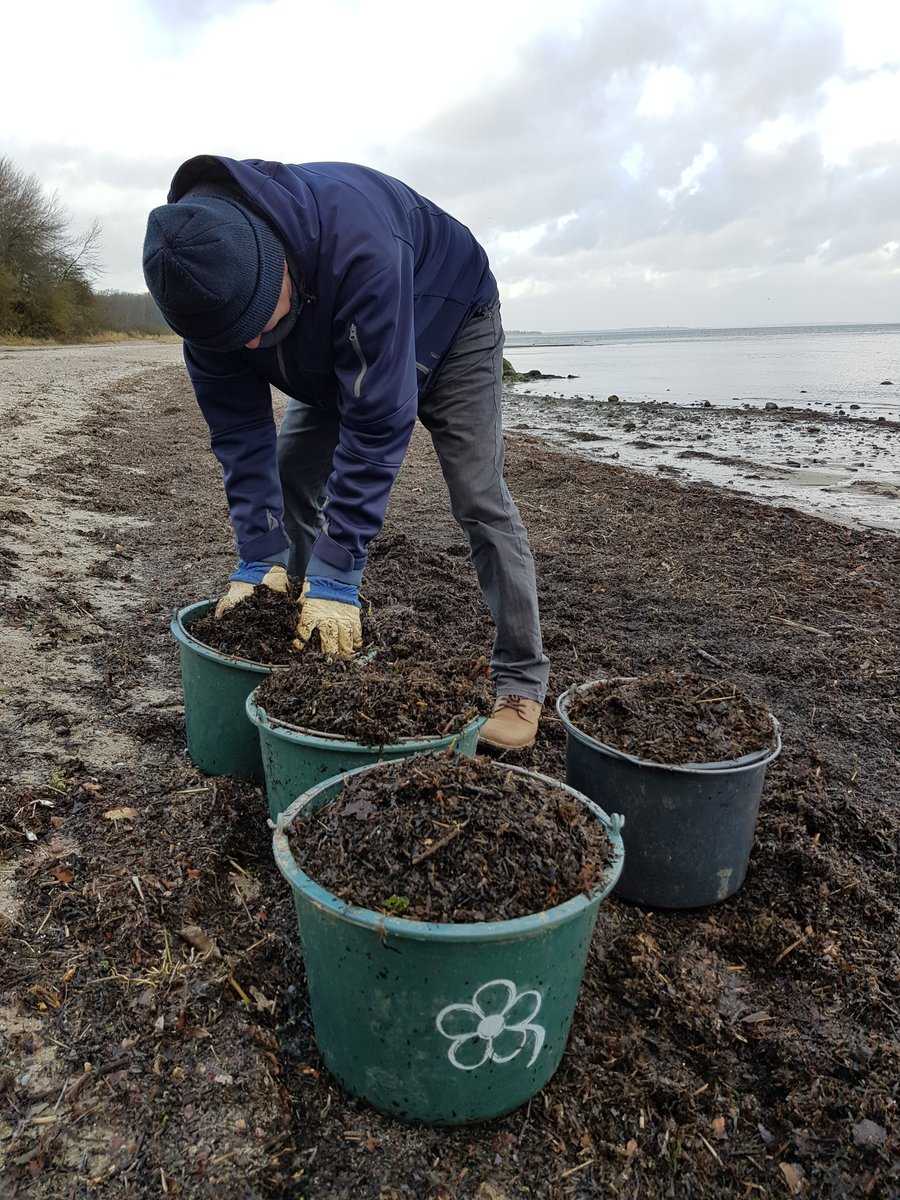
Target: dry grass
93, 339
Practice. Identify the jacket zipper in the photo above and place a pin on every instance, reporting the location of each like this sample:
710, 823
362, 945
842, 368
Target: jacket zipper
421, 367
363, 365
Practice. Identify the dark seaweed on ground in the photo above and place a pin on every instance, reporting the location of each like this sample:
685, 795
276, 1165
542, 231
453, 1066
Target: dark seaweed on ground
749, 1050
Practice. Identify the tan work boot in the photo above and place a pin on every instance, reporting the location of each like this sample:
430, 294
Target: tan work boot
513, 725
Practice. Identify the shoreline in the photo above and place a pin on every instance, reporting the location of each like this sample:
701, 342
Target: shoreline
842, 468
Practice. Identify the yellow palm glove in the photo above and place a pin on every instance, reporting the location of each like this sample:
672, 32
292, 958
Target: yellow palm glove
276, 579
339, 625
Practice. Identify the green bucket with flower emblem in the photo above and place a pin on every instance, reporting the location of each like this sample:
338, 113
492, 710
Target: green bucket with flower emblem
438, 1023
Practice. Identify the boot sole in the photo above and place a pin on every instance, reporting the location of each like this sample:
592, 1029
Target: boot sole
506, 745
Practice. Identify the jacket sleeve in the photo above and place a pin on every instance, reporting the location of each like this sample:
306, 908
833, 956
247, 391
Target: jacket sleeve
375, 364
237, 405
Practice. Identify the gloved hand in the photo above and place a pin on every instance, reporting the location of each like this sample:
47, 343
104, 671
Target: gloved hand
249, 576
332, 608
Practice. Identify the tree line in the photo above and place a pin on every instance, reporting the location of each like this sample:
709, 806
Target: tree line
46, 271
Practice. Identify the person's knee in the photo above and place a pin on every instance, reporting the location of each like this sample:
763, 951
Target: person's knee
490, 506
301, 474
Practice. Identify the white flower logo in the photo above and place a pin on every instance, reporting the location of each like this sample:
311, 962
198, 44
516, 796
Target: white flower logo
494, 1026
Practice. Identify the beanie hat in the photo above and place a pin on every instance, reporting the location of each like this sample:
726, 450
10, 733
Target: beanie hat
214, 268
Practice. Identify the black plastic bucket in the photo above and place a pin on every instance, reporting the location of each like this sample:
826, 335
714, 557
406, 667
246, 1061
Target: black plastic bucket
689, 829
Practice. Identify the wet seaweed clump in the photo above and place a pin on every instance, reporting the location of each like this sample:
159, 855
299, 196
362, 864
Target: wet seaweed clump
406, 691
451, 839
674, 718
261, 628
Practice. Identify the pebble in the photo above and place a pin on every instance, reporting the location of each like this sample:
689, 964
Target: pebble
869, 1133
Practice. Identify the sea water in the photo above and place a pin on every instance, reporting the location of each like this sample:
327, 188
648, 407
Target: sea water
820, 366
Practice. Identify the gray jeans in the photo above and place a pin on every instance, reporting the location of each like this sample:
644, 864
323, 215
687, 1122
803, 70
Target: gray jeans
462, 412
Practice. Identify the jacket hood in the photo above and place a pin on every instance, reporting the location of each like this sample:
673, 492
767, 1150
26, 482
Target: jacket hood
277, 195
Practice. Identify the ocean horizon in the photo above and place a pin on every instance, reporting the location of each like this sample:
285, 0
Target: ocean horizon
687, 330
852, 367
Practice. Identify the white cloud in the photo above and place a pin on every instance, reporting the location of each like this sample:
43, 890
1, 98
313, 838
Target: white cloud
633, 160
689, 183
517, 241
522, 288
772, 136
286, 80
871, 32
610, 153
859, 113
666, 90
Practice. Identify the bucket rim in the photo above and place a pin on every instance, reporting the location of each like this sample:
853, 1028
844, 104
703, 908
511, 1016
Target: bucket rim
514, 929
185, 638
725, 766
331, 741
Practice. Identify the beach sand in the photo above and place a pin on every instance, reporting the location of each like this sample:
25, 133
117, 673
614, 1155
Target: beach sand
145, 931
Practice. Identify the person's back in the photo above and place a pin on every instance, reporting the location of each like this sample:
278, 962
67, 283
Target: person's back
334, 216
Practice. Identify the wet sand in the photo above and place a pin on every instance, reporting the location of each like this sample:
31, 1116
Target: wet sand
845, 469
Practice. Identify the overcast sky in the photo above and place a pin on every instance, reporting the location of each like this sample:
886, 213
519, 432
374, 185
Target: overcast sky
625, 162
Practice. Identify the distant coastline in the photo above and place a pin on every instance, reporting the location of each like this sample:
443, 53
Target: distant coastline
614, 330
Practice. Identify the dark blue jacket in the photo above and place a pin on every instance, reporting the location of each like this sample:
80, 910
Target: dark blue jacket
387, 280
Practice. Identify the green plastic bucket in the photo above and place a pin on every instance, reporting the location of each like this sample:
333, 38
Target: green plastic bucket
295, 759
438, 1023
220, 739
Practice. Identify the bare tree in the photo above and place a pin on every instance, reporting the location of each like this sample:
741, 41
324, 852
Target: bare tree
44, 267
32, 225
85, 253
35, 242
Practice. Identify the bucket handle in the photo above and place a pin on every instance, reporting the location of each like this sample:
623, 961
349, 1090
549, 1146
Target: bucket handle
279, 824
616, 824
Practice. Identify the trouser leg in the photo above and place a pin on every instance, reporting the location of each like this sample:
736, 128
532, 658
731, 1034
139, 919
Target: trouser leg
462, 412
306, 443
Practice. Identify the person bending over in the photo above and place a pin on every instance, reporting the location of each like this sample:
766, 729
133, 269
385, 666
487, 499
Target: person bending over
368, 306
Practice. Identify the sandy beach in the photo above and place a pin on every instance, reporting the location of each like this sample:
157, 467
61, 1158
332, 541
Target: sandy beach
708, 1048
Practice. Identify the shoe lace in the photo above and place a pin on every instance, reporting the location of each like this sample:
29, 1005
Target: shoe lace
516, 703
